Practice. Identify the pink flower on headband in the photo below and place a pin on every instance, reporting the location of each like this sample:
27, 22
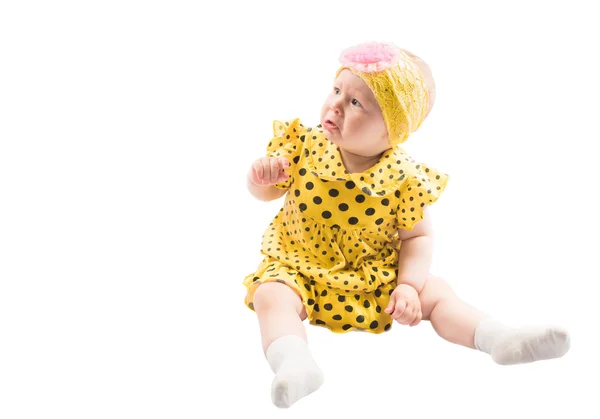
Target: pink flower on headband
371, 56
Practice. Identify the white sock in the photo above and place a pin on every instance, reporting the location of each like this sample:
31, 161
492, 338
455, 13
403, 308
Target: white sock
509, 345
296, 373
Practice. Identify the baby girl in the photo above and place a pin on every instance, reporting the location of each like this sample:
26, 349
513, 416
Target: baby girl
351, 247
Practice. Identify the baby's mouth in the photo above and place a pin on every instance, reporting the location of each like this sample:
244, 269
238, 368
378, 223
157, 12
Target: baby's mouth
329, 125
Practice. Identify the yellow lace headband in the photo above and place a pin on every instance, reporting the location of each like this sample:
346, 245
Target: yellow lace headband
396, 82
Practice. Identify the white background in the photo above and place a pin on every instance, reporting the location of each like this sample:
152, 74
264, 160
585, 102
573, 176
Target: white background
127, 129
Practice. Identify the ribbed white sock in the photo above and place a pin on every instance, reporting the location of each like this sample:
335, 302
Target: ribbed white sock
509, 345
296, 373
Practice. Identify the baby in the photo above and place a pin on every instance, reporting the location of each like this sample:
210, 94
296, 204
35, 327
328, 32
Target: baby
352, 246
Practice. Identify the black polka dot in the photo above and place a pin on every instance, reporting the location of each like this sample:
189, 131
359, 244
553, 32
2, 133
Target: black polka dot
326, 214
360, 198
302, 172
337, 317
385, 202
370, 211
374, 324
341, 298
367, 304
302, 207
343, 207
379, 221
350, 185
317, 200
349, 309
328, 307
346, 326
310, 185
333, 193
353, 220
297, 193
360, 319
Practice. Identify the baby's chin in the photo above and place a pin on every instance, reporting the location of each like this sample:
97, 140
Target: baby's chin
332, 136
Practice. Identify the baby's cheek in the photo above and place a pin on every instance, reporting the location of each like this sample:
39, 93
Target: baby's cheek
324, 109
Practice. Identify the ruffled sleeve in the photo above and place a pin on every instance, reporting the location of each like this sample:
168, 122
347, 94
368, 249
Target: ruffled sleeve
420, 188
287, 141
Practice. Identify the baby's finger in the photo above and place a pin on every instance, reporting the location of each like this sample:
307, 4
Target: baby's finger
274, 167
282, 177
258, 169
390, 307
408, 316
399, 309
417, 319
285, 164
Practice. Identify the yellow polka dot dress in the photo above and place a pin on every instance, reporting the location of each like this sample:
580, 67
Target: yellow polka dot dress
334, 241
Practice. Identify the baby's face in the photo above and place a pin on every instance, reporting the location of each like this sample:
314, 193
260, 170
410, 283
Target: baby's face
352, 107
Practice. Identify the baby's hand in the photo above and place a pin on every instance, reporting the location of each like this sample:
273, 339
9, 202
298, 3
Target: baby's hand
404, 306
269, 171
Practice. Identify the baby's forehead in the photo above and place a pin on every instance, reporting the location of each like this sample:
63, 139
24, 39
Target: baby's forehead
352, 82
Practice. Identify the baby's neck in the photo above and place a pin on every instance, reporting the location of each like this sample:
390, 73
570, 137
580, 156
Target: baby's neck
355, 163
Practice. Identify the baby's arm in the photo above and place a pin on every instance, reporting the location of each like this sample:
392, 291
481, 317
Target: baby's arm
413, 270
416, 252
264, 174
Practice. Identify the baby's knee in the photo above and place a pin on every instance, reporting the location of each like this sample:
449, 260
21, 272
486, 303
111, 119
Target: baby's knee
437, 288
274, 294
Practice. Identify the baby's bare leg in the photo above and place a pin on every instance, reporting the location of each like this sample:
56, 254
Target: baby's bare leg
280, 313
451, 318
463, 324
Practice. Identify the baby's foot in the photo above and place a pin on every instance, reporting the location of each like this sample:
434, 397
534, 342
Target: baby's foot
296, 373
295, 379
529, 344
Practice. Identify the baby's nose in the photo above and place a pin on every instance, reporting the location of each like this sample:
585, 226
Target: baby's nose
335, 107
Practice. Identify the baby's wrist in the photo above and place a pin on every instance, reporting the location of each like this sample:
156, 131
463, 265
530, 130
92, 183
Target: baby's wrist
415, 287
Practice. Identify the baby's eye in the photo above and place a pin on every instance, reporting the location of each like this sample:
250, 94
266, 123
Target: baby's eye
335, 89
357, 102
